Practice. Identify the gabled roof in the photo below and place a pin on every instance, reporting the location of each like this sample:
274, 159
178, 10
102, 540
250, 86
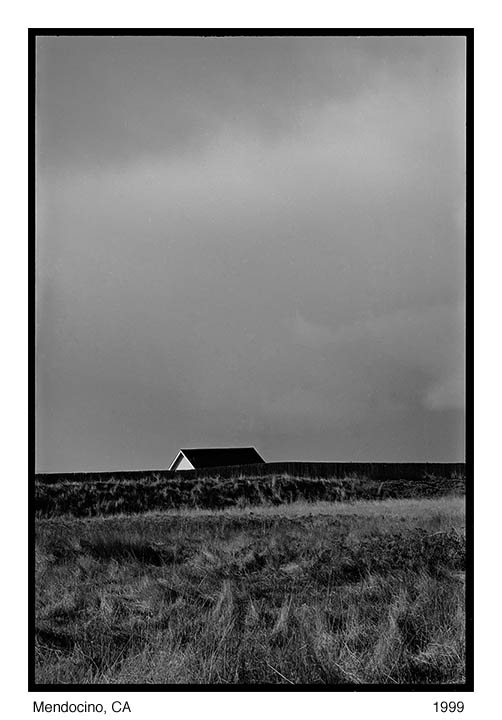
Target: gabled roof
219, 457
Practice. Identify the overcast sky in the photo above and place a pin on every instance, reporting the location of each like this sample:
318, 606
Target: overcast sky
249, 241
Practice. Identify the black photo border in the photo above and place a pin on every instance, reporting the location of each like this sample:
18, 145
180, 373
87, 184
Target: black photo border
468, 34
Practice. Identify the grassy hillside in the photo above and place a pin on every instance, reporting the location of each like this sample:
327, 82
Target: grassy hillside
305, 593
92, 497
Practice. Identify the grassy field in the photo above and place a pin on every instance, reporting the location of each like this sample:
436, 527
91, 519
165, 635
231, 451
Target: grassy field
360, 592
97, 497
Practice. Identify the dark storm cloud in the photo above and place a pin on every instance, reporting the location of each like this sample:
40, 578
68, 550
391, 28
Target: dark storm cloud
250, 240
113, 99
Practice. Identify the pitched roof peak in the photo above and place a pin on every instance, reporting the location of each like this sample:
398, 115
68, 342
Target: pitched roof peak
220, 456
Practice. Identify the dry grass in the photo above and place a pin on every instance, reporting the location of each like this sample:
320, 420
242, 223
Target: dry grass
325, 594
89, 497
449, 510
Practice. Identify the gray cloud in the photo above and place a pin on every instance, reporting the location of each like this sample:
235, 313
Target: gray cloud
446, 394
113, 99
250, 241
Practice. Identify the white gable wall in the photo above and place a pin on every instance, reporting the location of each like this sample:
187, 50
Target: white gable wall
181, 463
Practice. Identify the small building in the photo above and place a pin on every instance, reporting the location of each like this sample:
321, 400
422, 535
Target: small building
195, 458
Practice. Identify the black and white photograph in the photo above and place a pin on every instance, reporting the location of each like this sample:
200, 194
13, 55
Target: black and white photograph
251, 429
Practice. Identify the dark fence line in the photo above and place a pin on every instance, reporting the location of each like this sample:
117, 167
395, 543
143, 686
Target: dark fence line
323, 470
